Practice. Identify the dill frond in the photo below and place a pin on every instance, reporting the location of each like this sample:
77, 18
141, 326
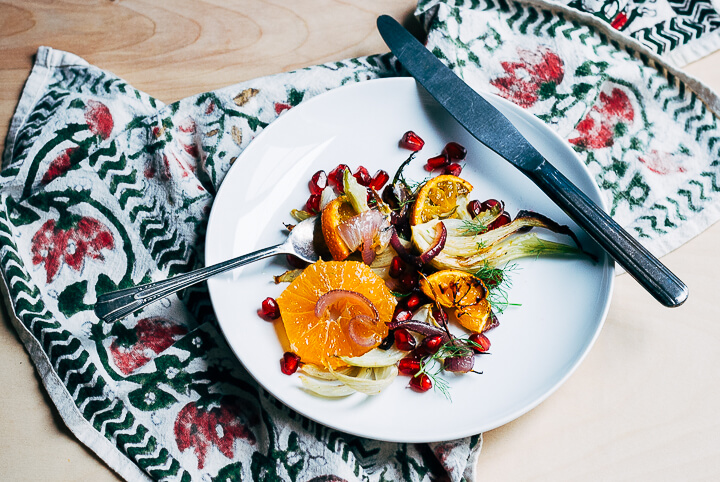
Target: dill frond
471, 228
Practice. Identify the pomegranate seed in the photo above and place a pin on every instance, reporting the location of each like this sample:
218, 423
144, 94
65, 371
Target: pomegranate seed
409, 366
296, 262
454, 169
363, 176
409, 279
502, 220
379, 180
411, 141
289, 363
430, 345
335, 178
270, 309
437, 161
318, 182
454, 151
404, 340
421, 383
490, 204
402, 315
397, 267
313, 204
482, 341
413, 301
474, 207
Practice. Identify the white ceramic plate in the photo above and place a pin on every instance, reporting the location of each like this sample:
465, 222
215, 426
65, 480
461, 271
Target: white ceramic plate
537, 345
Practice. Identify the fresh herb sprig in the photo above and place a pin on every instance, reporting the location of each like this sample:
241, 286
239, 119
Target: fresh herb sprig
399, 173
432, 365
471, 228
498, 283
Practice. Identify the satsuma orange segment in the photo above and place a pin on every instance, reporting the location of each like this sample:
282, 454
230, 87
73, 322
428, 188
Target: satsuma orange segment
321, 340
463, 292
333, 215
438, 198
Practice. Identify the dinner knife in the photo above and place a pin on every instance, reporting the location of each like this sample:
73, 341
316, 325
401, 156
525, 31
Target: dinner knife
489, 126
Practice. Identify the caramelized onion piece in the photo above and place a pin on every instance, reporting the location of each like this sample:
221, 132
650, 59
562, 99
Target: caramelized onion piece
493, 322
459, 364
420, 327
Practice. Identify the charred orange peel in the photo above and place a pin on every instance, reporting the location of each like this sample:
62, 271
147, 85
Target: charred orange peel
463, 292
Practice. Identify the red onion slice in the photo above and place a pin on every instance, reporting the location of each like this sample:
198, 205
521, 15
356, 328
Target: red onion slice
437, 245
369, 319
333, 296
360, 227
433, 250
361, 230
368, 253
354, 330
400, 249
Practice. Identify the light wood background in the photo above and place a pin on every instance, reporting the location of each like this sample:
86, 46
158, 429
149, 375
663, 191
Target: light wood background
644, 405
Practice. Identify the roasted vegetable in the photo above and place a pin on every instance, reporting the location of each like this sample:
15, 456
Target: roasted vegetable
470, 246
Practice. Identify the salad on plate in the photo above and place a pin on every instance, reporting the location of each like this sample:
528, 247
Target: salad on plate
416, 277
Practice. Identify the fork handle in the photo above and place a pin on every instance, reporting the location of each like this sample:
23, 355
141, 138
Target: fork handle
111, 307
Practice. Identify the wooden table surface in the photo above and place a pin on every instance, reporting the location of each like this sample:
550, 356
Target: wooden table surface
644, 405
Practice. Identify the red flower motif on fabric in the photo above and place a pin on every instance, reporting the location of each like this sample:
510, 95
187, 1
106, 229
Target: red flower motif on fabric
187, 125
152, 336
180, 155
98, 119
52, 245
202, 428
527, 76
661, 162
281, 107
597, 129
59, 166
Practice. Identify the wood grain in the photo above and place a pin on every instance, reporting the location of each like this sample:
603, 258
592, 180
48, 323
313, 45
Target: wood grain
642, 406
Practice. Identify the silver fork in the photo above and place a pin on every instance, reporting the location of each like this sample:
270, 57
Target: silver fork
113, 306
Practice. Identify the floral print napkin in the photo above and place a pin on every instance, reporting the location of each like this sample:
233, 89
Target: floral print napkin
681, 30
104, 187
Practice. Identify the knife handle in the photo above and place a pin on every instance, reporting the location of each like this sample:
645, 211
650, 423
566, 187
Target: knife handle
654, 276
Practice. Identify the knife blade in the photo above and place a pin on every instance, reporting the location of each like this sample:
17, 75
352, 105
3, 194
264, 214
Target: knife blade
489, 126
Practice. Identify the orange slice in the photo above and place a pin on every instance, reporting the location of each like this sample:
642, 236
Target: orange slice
438, 198
462, 291
335, 213
321, 340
